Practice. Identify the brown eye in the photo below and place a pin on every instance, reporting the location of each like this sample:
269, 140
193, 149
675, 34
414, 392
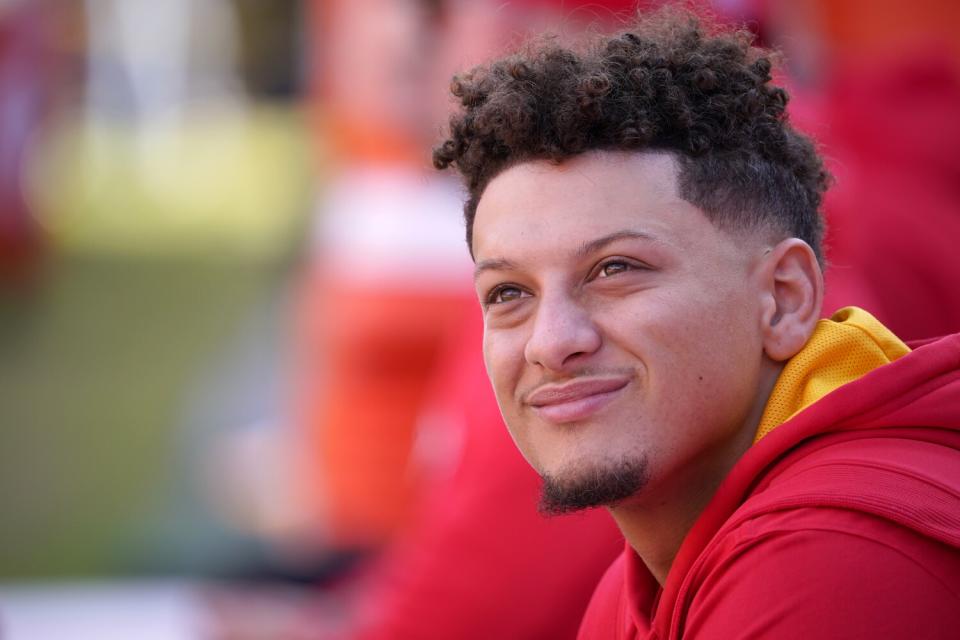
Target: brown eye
504, 293
613, 268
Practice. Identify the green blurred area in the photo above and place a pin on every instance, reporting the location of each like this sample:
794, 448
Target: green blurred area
212, 181
139, 294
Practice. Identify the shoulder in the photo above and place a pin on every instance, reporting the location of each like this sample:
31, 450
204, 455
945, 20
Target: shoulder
824, 572
844, 538
906, 476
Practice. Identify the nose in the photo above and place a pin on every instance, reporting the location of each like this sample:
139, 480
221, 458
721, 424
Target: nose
562, 334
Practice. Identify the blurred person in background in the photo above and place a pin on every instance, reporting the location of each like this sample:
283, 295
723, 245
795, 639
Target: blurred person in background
382, 289
880, 87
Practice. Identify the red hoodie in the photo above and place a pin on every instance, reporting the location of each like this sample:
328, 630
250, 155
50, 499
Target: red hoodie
843, 522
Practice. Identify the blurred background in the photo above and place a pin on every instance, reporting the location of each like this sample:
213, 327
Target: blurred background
240, 389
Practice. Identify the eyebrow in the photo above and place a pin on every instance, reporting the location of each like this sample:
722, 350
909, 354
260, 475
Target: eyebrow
585, 249
493, 264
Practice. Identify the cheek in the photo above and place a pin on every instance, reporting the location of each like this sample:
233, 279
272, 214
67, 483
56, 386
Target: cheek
710, 366
503, 357
691, 342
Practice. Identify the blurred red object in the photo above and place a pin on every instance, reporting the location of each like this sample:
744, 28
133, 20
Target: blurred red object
23, 72
894, 212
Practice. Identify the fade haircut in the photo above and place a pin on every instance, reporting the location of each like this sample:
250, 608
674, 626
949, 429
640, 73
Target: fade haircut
672, 82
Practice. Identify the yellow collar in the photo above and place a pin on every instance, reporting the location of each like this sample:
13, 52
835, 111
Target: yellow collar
847, 346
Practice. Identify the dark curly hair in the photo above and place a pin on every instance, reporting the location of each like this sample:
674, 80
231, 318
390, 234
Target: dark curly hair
672, 82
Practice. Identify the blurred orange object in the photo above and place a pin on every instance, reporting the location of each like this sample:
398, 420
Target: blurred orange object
361, 400
859, 30
389, 275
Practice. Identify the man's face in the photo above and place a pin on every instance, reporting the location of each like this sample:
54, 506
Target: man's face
622, 328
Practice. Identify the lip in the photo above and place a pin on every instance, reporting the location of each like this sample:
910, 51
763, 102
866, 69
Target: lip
575, 400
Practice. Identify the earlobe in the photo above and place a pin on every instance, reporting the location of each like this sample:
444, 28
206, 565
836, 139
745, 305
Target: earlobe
792, 297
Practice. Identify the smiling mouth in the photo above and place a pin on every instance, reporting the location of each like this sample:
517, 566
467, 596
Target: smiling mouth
577, 400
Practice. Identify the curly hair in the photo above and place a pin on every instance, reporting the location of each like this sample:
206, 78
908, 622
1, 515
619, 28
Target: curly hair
672, 82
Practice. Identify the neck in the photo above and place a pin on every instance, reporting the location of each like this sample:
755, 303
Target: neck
656, 522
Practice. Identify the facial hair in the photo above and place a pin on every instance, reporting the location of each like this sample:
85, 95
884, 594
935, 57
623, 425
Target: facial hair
594, 486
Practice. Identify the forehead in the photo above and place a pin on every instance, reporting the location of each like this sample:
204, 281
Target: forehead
542, 207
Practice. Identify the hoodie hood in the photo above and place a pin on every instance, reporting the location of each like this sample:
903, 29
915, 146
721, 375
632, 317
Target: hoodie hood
849, 345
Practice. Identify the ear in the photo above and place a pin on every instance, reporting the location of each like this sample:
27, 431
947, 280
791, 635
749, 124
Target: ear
792, 288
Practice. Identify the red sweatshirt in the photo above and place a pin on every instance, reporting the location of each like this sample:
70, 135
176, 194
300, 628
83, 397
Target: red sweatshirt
843, 522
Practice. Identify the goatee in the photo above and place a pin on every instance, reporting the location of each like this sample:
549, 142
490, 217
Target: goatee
592, 486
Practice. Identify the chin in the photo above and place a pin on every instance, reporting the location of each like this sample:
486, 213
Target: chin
587, 486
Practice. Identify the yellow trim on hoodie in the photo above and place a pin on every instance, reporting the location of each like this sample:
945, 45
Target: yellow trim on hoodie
847, 346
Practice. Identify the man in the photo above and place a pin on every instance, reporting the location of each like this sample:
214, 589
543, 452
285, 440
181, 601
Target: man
646, 231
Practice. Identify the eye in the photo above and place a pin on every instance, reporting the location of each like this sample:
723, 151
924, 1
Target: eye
505, 293
613, 267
